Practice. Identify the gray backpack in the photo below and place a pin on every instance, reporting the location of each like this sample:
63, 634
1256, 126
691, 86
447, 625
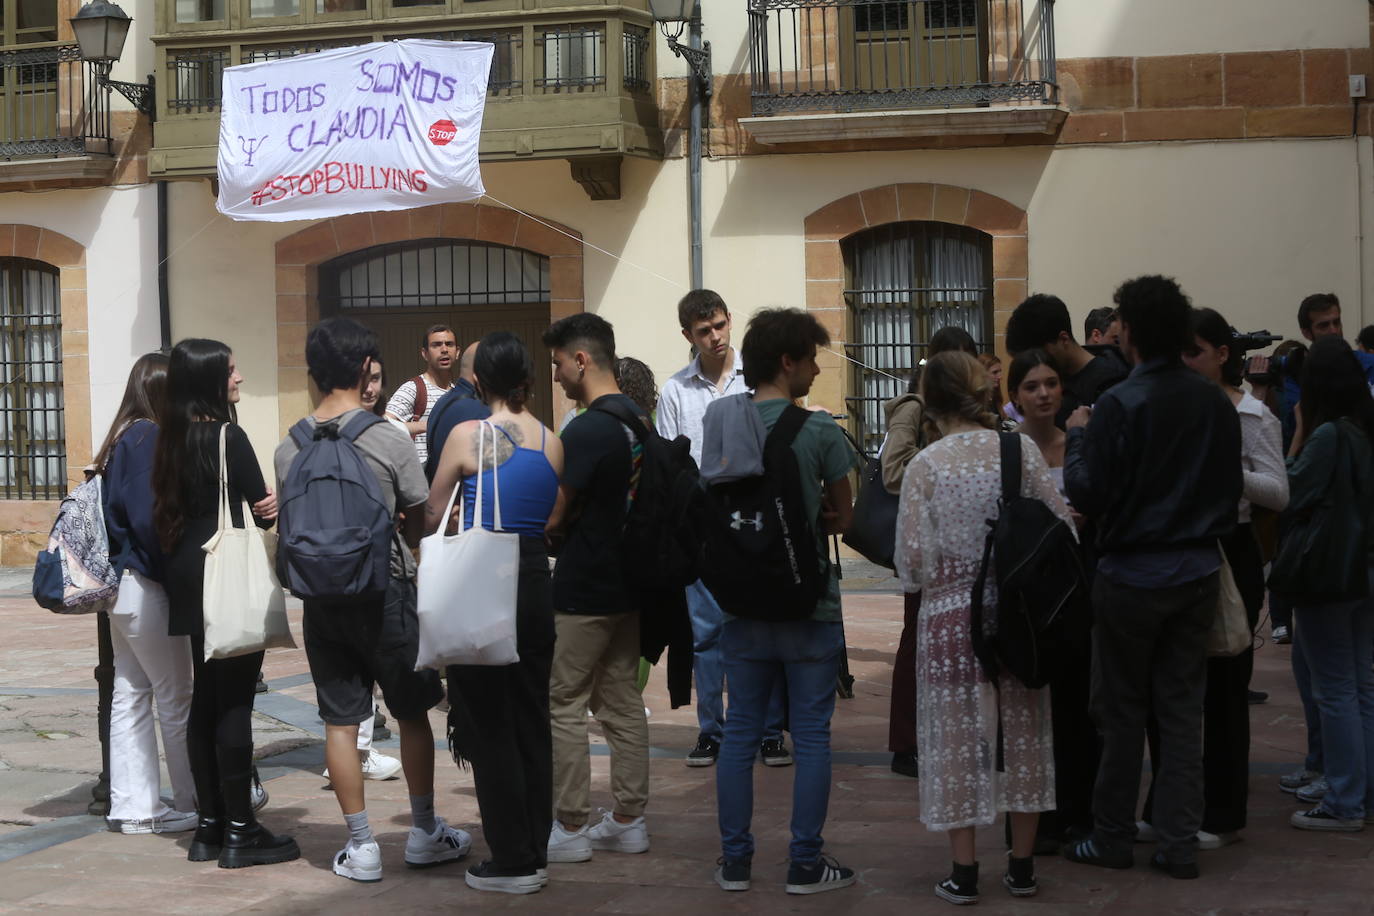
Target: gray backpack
334, 529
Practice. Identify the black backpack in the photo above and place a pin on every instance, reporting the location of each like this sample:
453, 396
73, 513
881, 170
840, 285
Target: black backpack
334, 529
1043, 613
659, 542
759, 548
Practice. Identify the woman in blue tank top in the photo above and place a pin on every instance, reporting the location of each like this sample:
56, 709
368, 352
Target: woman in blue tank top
499, 716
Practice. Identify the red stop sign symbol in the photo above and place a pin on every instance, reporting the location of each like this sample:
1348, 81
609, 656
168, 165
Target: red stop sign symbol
442, 132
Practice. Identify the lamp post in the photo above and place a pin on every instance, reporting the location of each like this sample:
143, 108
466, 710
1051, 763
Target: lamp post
101, 28
672, 17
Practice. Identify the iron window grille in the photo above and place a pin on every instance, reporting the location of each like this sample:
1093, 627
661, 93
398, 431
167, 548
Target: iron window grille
50, 104
908, 280
636, 49
33, 458
435, 272
506, 59
197, 79
573, 57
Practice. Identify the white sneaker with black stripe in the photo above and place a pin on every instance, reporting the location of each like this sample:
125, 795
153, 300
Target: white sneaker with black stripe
446, 844
825, 874
359, 862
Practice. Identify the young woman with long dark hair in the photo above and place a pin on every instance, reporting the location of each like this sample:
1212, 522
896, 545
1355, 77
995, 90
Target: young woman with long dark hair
499, 716
203, 386
148, 662
1226, 705
1333, 453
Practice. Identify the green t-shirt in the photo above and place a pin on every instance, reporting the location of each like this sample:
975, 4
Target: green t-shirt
823, 456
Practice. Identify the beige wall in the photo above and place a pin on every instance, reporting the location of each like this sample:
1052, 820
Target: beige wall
1116, 28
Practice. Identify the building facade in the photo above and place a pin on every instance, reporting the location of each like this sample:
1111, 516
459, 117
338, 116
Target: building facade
893, 165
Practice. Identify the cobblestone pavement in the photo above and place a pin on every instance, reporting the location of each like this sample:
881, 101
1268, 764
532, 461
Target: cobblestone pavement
55, 857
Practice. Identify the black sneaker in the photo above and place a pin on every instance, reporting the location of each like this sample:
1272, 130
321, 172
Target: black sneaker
733, 876
705, 753
961, 887
1256, 697
489, 877
261, 686
1091, 852
1320, 819
775, 753
1183, 870
906, 765
825, 874
1020, 877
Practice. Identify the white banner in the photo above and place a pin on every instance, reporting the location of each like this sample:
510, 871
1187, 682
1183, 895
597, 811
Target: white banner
384, 126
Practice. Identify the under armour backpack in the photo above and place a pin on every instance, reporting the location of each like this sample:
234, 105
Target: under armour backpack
759, 547
659, 544
334, 527
75, 574
1043, 614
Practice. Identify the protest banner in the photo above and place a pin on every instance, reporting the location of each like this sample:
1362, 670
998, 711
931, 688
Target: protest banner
382, 126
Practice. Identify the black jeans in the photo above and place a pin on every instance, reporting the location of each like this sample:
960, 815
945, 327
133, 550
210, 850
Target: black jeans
219, 731
499, 722
901, 717
1150, 652
1226, 707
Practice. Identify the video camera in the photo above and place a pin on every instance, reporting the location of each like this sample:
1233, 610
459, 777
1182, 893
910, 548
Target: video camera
1276, 368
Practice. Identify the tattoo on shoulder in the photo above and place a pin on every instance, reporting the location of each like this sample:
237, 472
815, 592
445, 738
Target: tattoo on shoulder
505, 447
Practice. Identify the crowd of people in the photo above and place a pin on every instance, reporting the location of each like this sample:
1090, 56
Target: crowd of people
1144, 442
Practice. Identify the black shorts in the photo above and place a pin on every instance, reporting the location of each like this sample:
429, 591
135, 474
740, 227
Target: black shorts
350, 647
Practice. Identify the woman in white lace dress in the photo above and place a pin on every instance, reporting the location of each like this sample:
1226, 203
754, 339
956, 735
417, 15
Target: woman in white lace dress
949, 493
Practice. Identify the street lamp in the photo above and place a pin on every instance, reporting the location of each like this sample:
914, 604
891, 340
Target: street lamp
672, 16
101, 28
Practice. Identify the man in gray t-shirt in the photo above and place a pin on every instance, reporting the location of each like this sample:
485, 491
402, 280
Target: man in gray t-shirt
355, 644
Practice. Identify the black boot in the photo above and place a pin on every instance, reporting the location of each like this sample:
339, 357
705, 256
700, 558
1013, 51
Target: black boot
961, 887
246, 842
1020, 876
253, 844
209, 837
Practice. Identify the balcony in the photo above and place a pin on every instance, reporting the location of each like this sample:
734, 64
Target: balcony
825, 70
54, 118
569, 82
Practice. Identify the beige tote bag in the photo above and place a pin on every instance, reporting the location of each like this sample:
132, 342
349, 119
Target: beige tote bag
467, 586
1230, 633
245, 609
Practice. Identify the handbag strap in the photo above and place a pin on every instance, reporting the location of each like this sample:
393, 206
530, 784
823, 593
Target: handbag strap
477, 501
224, 516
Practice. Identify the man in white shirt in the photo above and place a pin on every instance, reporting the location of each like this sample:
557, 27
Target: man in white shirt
411, 403
715, 372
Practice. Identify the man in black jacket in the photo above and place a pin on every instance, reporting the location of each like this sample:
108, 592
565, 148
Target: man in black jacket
1043, 321
1156, 464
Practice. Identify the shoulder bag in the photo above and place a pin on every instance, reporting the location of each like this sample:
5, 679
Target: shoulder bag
1230, 633
468, 583
244, 607
873, 528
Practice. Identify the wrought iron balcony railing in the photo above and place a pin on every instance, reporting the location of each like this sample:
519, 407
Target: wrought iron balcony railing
861, 55
51, 104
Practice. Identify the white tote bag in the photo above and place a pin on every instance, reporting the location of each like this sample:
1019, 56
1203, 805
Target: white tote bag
245, 610
467, 585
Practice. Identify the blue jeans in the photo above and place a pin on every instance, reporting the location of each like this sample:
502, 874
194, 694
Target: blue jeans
709, 674
807, 654
1338, 645
1302, 676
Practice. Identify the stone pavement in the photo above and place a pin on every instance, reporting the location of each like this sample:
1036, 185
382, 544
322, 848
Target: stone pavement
53, 857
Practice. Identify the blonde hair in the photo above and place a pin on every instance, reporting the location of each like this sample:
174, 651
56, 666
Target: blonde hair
987, 361
954, 385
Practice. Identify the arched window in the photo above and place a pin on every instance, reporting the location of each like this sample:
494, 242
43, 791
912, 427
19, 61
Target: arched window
905, 282
33, 458
473, 287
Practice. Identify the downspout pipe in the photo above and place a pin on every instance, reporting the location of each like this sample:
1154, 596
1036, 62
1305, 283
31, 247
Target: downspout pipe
164, 306
694, 157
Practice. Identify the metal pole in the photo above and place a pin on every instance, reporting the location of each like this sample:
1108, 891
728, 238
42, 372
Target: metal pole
694, 155
104, 679
164, 305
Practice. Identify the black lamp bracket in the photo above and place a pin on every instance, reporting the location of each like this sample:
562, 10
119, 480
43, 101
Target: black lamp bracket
699, 60
143, 96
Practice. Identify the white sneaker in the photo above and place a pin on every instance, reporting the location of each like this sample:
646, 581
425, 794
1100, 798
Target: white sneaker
1207, 840
171, 822
569, 847
613, 836
380, 766
359, 863
258, 793
446, 844
1145, 832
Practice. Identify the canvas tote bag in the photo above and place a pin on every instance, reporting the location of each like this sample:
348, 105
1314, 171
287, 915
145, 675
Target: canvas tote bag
467, 584
1230, 633
245, 610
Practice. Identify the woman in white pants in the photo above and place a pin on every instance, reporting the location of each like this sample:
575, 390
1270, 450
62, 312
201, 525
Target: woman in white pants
149, 664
